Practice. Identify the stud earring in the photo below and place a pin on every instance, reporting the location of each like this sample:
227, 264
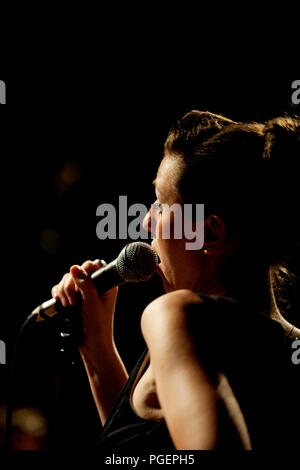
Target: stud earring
205, 251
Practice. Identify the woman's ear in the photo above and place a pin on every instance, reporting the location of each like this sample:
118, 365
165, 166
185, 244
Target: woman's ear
214, 231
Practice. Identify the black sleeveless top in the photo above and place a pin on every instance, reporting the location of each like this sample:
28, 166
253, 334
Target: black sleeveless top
253, 352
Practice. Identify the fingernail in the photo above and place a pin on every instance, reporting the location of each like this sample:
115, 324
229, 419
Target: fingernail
101, 261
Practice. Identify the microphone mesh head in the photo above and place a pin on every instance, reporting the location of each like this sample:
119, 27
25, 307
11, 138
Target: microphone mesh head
137, 262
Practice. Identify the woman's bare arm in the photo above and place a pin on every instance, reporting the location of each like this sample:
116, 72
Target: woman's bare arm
189, 399
105, 369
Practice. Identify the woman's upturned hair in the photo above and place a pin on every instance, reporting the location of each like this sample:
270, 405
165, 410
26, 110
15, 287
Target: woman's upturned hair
247, 173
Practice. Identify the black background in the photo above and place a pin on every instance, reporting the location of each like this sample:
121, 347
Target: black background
107, 127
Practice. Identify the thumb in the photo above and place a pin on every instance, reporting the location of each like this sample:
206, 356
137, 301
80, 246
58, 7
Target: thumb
81, 278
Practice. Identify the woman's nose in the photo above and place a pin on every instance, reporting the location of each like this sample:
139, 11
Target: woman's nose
148, 222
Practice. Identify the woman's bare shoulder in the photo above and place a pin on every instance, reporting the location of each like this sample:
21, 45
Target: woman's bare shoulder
172, 302
164, 321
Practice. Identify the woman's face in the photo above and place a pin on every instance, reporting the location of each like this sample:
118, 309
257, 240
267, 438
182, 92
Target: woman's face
175, 268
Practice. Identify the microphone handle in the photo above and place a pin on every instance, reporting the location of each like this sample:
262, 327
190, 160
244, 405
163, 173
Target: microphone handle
104, 279
107, 277
53, 307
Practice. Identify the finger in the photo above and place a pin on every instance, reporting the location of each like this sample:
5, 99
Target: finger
81, 279
91, 266
61, 291
69, 289
54, 292
86, 285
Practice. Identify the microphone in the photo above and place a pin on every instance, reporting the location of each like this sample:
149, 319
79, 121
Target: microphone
136, 262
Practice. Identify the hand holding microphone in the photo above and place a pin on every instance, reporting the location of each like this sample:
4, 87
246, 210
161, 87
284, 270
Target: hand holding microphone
95, 285
136, 262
